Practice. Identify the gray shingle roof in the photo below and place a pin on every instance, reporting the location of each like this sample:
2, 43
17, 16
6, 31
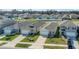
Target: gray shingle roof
25, 25
6, 22
52, 27
68, 23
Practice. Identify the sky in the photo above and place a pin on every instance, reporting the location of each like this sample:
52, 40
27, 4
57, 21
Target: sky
39, 4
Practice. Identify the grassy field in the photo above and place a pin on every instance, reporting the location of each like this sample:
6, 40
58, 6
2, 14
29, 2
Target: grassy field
54, 47
10, 38
55, 41
76, 21
23, 45
33, 37
26, 20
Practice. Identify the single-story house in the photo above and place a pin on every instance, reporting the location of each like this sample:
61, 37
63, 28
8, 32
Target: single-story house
30, 28
74, 16
4, 23
10, 30
66, 17
50, 30
68, 29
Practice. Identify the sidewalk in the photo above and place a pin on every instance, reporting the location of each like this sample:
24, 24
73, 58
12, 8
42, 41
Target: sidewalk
13, 43
61, 45
76, 44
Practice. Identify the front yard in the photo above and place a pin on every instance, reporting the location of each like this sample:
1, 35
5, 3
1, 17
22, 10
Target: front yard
32, 37
9, 37
54, 47
2, 43
23, 45
55, 41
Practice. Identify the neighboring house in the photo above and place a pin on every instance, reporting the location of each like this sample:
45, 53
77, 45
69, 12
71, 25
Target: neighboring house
50, 30
40, 17
68, 29
74, 16
25, 28
25, 16
28, 28
4, 22
10, 30
66, 17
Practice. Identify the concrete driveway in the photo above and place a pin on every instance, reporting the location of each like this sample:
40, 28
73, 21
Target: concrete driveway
39, 43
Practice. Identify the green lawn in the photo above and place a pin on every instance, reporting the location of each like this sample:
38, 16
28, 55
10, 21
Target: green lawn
54, 47
2, 43
76, 21
55, 41
26, 20
23, 45
33, 37
9, 38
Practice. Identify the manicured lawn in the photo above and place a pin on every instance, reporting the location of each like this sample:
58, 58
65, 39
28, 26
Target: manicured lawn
55, 41
33, 37
54, 47
2, 43
23, 45
9, 38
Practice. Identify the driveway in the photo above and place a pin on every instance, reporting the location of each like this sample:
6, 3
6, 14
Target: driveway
39, 43
14, 42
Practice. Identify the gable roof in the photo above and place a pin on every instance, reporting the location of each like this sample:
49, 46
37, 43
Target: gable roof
6, 22
25, 25
68, 23
52, 27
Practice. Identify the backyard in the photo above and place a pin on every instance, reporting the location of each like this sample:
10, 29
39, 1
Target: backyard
26, 20
76, 21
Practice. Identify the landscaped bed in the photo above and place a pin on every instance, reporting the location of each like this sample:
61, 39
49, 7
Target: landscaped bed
32, 37
23, 45
54, 47
55, 41
9, 38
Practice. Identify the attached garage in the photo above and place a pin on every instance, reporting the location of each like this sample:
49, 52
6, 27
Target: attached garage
44, 32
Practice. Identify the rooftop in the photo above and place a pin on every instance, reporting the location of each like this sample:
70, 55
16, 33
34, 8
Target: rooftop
52, 27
